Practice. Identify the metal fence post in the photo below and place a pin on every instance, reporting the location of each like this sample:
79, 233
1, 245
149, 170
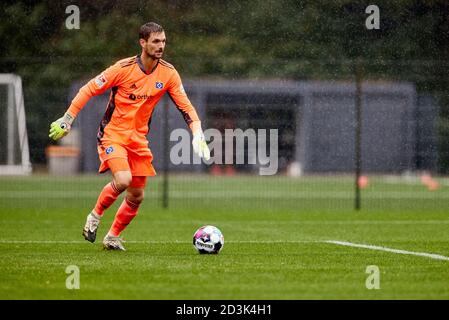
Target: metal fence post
166, 153
358, 132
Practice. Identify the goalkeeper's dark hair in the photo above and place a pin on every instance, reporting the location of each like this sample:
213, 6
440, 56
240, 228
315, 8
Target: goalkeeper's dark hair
148, 28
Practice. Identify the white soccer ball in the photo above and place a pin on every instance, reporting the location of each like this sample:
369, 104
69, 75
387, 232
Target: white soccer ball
208, 239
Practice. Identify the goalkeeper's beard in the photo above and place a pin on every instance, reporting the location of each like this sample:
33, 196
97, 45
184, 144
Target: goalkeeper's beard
153, 56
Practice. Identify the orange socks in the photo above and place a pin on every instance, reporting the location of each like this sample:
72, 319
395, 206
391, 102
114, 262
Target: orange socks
126, 212
107, 197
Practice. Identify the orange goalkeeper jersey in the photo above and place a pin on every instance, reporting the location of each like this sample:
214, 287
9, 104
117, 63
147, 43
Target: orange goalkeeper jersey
133, 98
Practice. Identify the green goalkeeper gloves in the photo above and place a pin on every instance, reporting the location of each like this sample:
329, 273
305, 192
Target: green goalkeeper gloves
61, 127
200, 146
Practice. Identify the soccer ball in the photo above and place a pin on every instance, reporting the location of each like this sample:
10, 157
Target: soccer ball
208, 239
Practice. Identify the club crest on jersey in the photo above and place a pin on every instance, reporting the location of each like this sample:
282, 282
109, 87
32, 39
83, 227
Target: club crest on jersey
101, 80
109, 150
159, 85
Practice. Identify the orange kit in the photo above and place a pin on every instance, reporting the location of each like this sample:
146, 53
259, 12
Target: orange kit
126, 122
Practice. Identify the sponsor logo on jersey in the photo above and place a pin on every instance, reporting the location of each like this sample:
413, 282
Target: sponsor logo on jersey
159, 85
100, 81
133, 97
109, 150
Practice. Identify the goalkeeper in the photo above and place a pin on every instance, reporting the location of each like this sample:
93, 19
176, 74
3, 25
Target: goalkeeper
137, 83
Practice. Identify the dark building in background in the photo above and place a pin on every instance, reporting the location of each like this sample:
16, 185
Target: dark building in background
315, 122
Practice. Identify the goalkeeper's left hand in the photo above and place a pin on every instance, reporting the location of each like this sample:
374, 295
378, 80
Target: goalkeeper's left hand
61, 127
200, 146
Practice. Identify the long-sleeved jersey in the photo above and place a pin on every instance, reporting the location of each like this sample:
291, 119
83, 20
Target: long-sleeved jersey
133, 98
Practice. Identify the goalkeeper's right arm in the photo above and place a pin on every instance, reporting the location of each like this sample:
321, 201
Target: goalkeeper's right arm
108, 78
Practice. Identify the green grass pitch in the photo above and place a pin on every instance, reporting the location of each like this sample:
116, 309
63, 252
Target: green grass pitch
275, 231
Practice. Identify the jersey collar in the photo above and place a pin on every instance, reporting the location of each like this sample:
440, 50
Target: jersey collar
141, 66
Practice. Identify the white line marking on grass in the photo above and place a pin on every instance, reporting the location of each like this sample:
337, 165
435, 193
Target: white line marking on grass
341, 243
379, 248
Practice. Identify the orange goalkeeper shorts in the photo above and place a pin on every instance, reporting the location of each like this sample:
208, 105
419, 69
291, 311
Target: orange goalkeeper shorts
139, 160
